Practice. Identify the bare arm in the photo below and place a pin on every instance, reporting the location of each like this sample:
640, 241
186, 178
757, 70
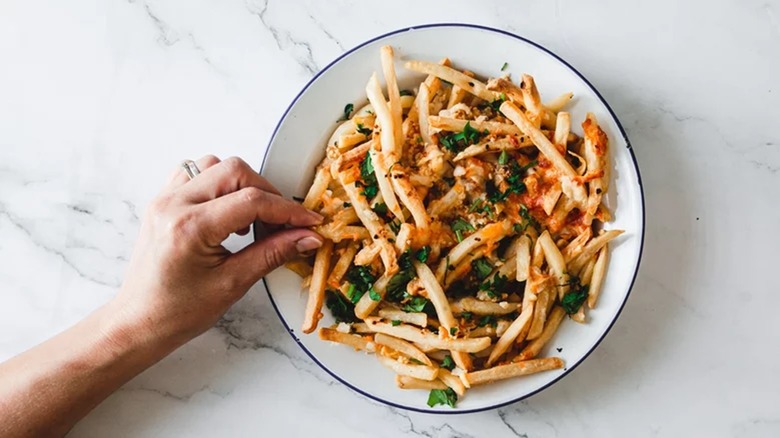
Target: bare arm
180, 281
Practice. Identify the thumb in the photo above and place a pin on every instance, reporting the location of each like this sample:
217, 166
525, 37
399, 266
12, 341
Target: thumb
258, 259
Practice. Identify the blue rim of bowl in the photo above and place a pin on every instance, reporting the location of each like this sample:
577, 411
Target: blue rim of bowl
641, 193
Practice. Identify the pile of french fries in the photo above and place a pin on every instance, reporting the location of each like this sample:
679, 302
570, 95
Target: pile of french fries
463, 223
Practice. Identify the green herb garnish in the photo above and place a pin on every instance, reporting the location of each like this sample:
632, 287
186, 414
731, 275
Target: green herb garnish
363, 130
423, 253
482, 268
457, 142
348, 108
572, 300
488, 320
447, 363
442, 397
416, 304
503, 67
341, 308
459, 226
395, 322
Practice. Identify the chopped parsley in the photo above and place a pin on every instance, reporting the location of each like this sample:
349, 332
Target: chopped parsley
527, 218
361, 280
447, 363
481, 268
442, 397
369, 183
572, 300
503, 158
380, 209
479, 206
467, 316
374, 295
348, 108
395, 322
346, 204
459, 141
459, 226
503, 67
396, 287
493, 287
423, 253
416, 304
395, 225
514, 182
488, 320
363, 130
453, 330
340, 307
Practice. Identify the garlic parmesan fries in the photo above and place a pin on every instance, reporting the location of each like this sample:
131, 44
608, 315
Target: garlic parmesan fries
463, 222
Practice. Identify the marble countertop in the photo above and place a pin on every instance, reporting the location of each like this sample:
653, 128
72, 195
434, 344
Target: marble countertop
100, 99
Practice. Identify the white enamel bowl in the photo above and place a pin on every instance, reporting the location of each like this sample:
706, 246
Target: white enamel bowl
298, 145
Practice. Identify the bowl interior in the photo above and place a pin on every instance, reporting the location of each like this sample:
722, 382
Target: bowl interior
298, 146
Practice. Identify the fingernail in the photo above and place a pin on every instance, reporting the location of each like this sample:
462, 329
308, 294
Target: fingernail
307, 244
316, 217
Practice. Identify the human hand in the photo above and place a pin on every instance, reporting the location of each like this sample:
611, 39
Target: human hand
180, 278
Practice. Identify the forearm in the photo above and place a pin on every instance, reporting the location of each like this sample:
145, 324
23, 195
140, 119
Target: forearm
46, 390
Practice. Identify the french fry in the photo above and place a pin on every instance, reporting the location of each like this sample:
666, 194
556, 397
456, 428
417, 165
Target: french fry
513, 370
355, 341
455, 195
458, 125
576, 246
417, 318
488, 234
342, 264
366, 305
452, 381
595, 152
543, 298
379, 232
404, 347
427, 339
509, 336
409, 197
488, 330
338, 232
508, 143
534, 347
383, 115
559, 102
477, 307
555, 261
299, 266
406, 382
436, 295
385, 186
523, 259
318, 187
599, 272
394, 95
453, 76
317, 288
591, 248
531, 99
421, 372
367, 255
423, 102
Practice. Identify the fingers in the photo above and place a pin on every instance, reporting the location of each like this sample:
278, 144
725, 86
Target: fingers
179, 176
258, 259
226, 177
235, 211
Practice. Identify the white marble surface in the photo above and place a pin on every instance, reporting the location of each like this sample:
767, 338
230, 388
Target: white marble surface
99, 99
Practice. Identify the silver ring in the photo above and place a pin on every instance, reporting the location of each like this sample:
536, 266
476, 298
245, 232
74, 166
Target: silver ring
191, 168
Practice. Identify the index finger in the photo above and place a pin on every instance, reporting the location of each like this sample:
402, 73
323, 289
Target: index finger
229, 176
237, 210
